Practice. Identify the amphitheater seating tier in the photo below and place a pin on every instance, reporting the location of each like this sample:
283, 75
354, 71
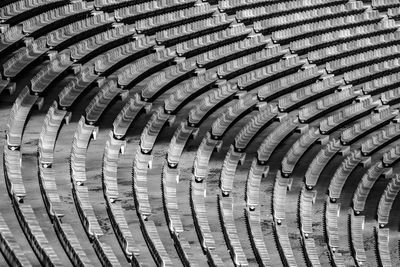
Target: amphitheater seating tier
195, 133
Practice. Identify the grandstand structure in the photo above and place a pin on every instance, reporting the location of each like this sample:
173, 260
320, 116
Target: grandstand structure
199, 133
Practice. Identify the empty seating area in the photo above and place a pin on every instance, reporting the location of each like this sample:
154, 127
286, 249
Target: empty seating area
383, 237
10, 248
194, 133
357, 239
387, 200
253, 214
226, 207
332, 231
307, 198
